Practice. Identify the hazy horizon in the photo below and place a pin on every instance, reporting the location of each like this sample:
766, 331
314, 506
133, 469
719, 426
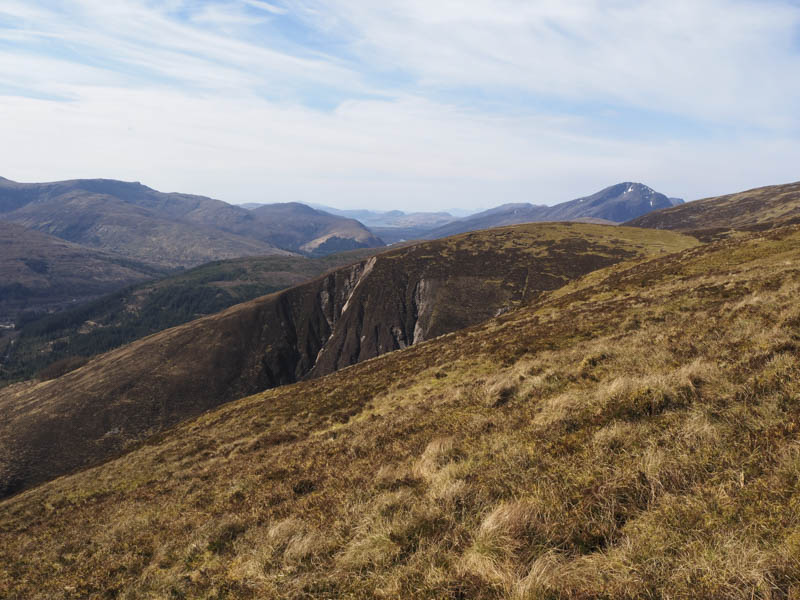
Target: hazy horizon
402, 105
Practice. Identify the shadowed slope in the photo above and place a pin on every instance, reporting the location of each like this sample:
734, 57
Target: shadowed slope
41, 272
84, 331
385, 303
581, 447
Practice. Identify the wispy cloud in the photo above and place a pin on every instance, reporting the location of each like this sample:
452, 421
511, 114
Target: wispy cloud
270, 8
717, 59
410, 103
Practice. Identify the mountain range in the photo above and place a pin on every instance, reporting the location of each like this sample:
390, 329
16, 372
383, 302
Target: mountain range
172, 230
392, 226
392, 218
613, 414
152, 232
614, 204
65, 339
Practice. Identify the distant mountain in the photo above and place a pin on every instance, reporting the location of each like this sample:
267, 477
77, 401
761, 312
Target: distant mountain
615, 204
169, 229
759, 208
40, 272
390, 226
310, 231
392, 218
460, 213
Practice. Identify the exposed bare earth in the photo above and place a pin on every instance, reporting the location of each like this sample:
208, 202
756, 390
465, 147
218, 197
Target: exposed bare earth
49, 343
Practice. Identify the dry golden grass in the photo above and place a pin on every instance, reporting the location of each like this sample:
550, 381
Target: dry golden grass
634, 435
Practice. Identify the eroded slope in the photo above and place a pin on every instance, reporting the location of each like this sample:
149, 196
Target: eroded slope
49, 345
355, 313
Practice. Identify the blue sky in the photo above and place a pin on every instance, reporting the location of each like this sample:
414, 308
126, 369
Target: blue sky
407, 104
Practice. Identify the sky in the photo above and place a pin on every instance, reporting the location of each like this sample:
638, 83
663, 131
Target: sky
402, 104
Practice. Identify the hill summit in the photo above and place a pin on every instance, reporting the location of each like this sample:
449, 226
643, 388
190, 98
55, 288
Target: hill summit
756, 209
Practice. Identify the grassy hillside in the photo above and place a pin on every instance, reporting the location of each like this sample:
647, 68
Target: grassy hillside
67, 338
584, 446
712, 218
391, 301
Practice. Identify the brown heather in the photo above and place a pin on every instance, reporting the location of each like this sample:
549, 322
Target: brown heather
631, 435
754, 210
349, 315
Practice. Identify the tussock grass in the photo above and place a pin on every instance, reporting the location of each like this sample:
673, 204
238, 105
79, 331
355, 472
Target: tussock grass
553, 453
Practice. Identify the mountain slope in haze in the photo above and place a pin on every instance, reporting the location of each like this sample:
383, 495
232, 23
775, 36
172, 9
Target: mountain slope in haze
392, 218
128, 219
168, 229
580, 447
71, 336
391, 226
312, 231
758, 208
389, 302
616, 204
40, 272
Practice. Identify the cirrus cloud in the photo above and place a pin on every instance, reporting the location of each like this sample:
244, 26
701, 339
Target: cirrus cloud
402, 104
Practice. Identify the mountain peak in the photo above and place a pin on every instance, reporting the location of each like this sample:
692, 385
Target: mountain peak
639, 187
617, 203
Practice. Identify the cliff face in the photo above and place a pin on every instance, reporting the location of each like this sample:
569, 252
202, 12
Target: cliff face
355, 313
